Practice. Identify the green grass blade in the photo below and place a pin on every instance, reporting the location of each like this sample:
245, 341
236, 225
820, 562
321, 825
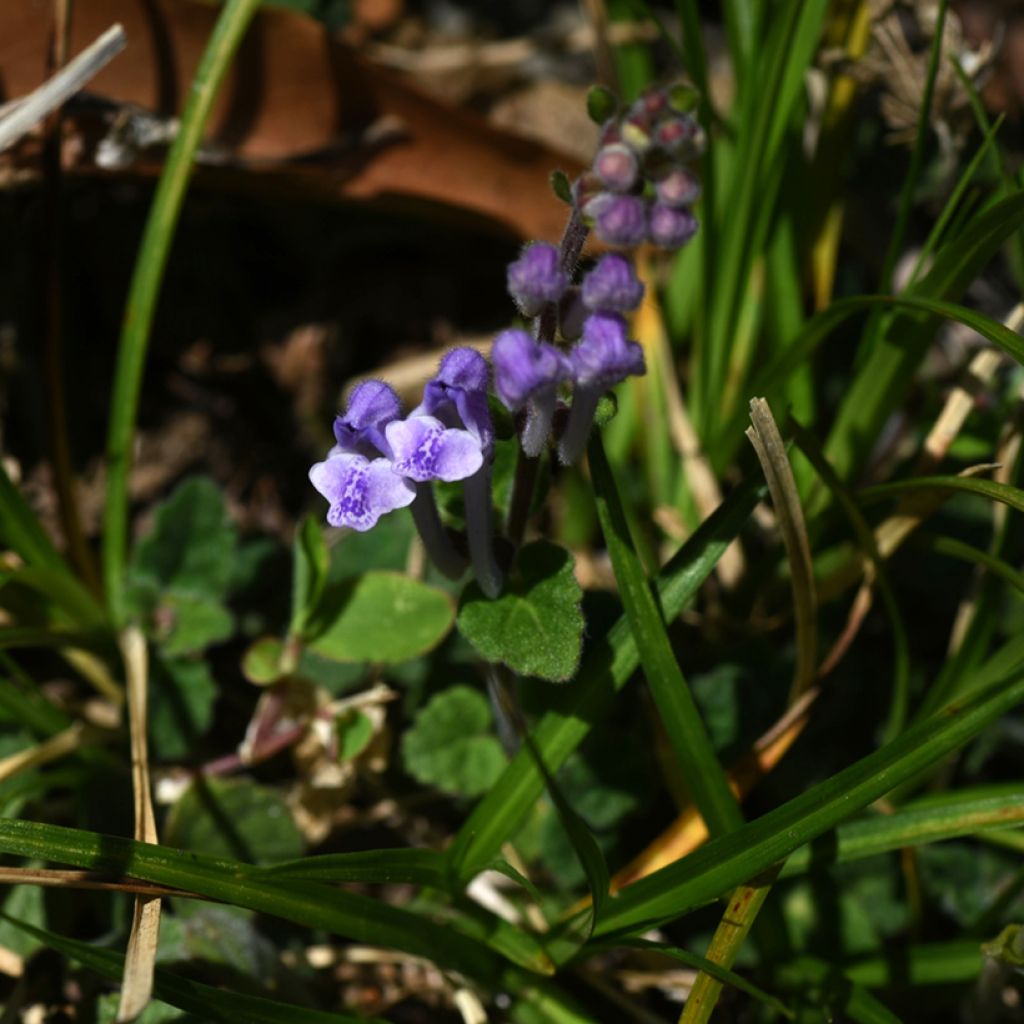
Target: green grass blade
311, 904
724, 863
702, 770
607, 665
1011, 496
22, 531
929, 820
968, 553
209, 1003
415, 867
818, 328
913, 176
145, 287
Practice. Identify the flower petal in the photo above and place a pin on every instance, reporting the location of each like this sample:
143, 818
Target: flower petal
426, 450
360, 491
371, 406
459, 455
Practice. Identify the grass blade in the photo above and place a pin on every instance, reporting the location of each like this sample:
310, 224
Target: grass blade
702, 770
733, 859
145, 288
415, 867
607, 665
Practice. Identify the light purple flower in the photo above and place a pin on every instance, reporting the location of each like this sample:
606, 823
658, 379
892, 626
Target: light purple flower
371, 406
612, 286
604, 355
522, 367
619, 220
537, 278
424, 449
457, 396
670, 228
616, 166
359, 490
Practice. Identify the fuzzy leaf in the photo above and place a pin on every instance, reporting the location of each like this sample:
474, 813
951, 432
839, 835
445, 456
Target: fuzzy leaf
451, 744
536, 626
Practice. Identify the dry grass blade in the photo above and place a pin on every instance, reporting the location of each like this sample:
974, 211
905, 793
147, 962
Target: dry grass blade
30, 110
57, 878
137, 981
771, 452
43, 753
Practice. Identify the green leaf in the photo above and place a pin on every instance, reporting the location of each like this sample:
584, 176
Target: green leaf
380, 617
602, 103
233, 818
181, 697
415, 866
536, 626
354, 731
209, 1003
312, 561
611, 659
191, 545
677, 709
561, 187
451, 744
261, 663
730, 860
190, 623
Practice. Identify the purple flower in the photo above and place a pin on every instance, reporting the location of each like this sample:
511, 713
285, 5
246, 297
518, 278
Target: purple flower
359, 490
619, 220
371, 406
424, 449
670, 228
522, 367
678, 188
604, 356
537, 278
616, 167
457, 396
612, 286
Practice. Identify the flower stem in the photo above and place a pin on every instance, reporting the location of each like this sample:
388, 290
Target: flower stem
539, 413
436, 541
480, 534
577, 430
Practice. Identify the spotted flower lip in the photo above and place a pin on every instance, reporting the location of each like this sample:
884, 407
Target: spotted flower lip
371, 406
457, 395
523, 367
612, 286
604, 355
537, 278
425, 449
359, 490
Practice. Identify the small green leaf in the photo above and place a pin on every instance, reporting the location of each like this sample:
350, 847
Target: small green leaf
233, 818
602, 103
381, 617
191, 546
182, 695
536, 626
188, 623
261, 663
561, 187
312, 561
355, 730
451, 744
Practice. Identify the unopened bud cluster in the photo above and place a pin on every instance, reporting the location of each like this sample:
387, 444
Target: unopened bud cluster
640, 187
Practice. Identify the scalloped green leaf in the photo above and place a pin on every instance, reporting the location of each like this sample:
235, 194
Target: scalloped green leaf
536, 626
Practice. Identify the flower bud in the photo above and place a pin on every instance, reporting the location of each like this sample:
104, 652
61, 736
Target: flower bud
616, 167
612, 286
619, 220
669, 227
681, 136
536, 278
523, 367
678, 188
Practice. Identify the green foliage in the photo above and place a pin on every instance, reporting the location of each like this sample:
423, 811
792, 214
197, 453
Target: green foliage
451, 744
182, 694
536, 626
381, 617
233, 818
